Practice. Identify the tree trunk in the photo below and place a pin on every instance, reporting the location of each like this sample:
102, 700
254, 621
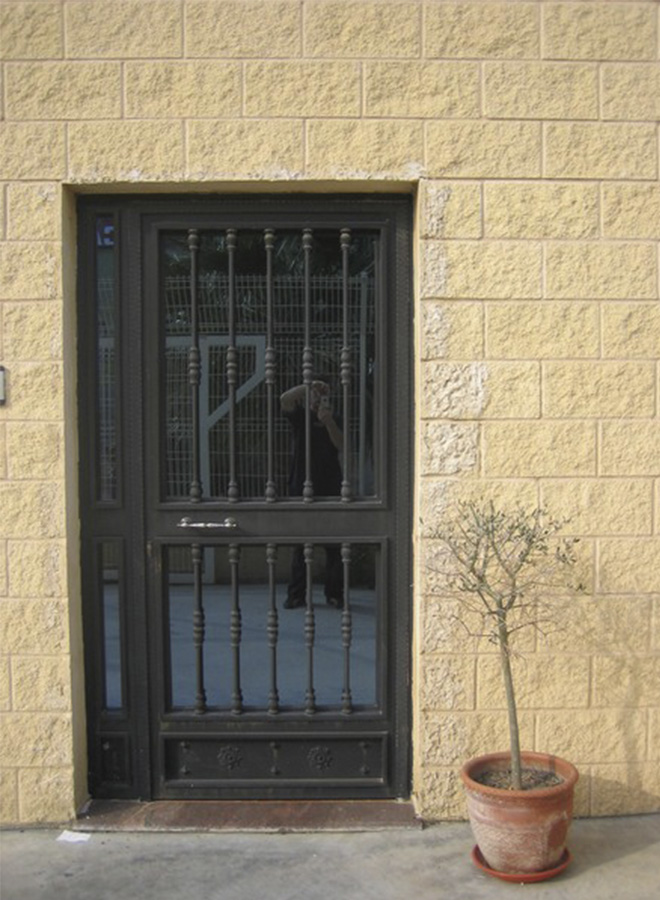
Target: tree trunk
514, 736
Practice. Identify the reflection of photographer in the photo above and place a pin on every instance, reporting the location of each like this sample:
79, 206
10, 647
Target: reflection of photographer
325, 474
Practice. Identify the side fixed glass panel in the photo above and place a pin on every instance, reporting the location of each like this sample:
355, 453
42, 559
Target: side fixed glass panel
107, 334
248, 316
273, 628
110, 580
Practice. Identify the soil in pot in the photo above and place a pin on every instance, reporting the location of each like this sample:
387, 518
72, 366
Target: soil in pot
531, 779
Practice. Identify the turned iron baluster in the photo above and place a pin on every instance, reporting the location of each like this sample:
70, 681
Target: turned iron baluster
308, 364
310, 694
194, 368
272, 629
235, 629
270, 365
345, 365
346, 631
197, 554
232, 363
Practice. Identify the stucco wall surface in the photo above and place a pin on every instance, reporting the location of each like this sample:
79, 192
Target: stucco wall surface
529, 132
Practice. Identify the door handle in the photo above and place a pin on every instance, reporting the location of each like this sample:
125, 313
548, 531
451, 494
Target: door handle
186, 522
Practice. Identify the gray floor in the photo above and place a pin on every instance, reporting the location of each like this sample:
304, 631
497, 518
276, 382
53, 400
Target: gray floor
614, 859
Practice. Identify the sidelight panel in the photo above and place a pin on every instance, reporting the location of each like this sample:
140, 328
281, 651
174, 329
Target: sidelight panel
107, 341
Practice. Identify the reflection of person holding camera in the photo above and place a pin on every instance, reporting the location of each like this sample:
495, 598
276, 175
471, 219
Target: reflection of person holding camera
325, 475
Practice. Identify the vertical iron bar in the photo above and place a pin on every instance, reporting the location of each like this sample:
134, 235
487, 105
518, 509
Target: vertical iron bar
232, 364
272, 629
269, 241
194, 367
197, 553
235, 631
310, 696
346, 631
345, 367
308, 366
362, 386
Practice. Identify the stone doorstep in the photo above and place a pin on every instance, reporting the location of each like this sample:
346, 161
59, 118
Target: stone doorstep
248, 816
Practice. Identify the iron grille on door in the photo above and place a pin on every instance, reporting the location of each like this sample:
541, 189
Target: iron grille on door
246, 496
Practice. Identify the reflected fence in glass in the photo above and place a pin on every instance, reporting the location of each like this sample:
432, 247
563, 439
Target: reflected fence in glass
242, 636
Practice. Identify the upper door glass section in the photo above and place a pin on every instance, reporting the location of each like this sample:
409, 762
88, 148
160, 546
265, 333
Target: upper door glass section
269, 356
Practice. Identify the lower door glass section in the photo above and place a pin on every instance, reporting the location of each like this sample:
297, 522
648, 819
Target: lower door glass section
272, 628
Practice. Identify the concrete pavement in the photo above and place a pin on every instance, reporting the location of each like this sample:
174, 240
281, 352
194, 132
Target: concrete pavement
613, 859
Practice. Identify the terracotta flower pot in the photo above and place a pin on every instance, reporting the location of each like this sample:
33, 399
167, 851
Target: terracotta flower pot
520, 831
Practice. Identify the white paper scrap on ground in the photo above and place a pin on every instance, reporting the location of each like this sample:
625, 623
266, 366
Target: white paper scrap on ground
74, 837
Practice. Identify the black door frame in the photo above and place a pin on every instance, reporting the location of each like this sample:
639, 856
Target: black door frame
121, 742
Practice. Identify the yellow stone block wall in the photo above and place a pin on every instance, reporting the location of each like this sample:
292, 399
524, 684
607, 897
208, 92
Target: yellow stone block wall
528, 134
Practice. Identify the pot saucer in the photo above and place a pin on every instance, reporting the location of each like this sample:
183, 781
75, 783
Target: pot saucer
521, 877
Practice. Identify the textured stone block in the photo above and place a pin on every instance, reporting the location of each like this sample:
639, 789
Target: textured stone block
598, 389
453, 390
631, 92
36, 392
158, 90
493, 270
125, 151
509, 30
453, 737
34, 212
362, 30
439, 794
541, 210
46, 795
608, 271
626, 681
36, 569
452, 330
308, 88
32, 510
537, 449
447, 683
606, 624
35, 739
606, 30
30, 31
33, 331
625, 789
595, 150
34, 450
450, 209
251, 149
630, 447
365, 149
594, 735
63, 90
41, 683
541, 682
130, 28
9, 796
422, 89
3, 451
629, 565
602, 506
257, 28
458, 149
3, 568
631, 211
34, 626
542, 330
29, 271
32, 150
531, 90
449, 448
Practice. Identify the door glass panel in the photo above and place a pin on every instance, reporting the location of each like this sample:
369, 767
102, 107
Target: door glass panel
261, 636
106, 338
328, 301
110, 571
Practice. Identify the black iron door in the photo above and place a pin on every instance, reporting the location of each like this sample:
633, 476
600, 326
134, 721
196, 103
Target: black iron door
250, 575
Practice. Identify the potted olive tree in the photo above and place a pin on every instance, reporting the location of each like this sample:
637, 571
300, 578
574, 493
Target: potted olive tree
508, 568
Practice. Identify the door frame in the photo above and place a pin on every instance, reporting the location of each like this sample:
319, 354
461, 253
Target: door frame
121, 742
